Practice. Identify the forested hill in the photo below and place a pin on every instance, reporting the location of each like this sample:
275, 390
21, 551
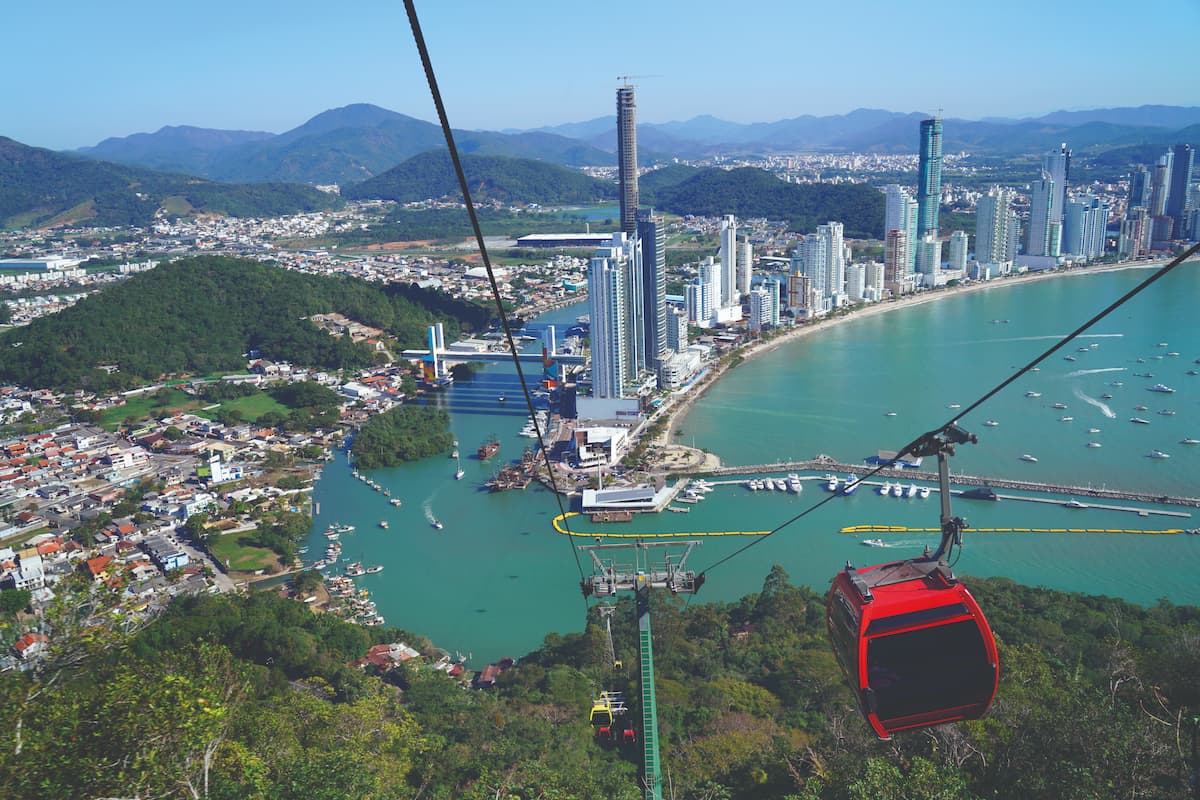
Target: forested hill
44, 188
750, 192
256, 697
201, 315
521, 180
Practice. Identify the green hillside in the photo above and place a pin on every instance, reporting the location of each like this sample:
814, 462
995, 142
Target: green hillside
201, 315
257, 697
519, 180
749, 192
42, 187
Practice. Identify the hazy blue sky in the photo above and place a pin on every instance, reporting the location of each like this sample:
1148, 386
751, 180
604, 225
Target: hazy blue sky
80, 71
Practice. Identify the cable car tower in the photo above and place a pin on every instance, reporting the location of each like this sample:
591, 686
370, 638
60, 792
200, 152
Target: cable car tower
637, 568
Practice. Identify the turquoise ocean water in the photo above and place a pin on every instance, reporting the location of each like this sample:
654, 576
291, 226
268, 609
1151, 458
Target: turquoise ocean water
497, 578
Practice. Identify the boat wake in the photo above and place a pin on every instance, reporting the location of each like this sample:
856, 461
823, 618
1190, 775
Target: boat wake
427, 507
1079, 372
1091, 401
1057, 336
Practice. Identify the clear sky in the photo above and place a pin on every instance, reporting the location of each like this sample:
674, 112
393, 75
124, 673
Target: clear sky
80, 70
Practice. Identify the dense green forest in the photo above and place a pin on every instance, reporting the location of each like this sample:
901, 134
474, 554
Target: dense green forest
254, 697
43, 187
749, 192
512, 180
404, 433
201, 315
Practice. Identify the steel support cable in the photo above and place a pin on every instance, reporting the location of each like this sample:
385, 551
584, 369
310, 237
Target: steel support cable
427, 64
925, 437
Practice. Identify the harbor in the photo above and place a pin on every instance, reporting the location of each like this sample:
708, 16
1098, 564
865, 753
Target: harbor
521, 581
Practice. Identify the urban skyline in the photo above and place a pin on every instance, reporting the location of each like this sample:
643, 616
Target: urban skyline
115, 74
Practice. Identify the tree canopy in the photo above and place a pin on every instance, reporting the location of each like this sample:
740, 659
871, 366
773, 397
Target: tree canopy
404, 433
203, 315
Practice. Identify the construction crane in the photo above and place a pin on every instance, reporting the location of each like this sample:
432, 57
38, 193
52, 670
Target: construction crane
639, 575
625, 79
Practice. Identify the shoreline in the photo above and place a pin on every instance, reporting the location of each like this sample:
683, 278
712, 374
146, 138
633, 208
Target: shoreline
676, 412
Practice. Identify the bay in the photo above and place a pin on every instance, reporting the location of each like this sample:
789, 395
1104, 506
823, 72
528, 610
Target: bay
497, 578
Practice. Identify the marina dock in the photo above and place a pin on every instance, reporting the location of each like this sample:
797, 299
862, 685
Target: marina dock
912, 475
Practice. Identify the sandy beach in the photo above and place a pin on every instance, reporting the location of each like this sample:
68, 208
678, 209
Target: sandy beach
675, 455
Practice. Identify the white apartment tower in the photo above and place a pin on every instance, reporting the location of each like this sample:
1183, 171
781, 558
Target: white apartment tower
745, 266
900, 214
958, 251
835, 272
728, 288
995, 224
608, 305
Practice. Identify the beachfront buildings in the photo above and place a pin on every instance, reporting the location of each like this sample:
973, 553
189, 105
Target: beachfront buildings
1046, 204
728, 284
996, 228
611, 299
1085, 223
652, 240
929, 177
900, 214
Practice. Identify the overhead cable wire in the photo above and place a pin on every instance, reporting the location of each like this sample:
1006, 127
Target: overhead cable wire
427, 64
911, 447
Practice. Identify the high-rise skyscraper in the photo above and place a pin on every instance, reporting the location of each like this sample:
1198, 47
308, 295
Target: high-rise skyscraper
1179, 195
1160, 184
900, 213
813, 257
929, 177
1043, 231
1139, 187
652, 237
958, 251
608, 306
1057, 165
835, 265
728, 257
929, 259
627, 168
677, 330
698, 300
895, 262
1084, 226
745, 266
994, 223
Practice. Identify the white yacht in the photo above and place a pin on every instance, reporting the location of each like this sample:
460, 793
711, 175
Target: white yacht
897, 491
1093, 430
1033, 394
794, 485
1027, 457
1094, 444
831, 483
1157, 454
851, 487
1189, 440
912, 490
885, 489
923, 493
990, 423
874, 543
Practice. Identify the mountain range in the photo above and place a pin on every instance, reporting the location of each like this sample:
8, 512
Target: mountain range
40, 187
357, 142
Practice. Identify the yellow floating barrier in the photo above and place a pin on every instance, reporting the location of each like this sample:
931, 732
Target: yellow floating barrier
853, 529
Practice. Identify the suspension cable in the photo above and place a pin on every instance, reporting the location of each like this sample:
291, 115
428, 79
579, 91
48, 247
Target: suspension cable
427, 64
911, 446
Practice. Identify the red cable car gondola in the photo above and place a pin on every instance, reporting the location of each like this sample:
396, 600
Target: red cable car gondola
914, 644
911, 639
